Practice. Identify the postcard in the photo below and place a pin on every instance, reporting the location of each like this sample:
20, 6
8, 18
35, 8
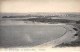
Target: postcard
39, 25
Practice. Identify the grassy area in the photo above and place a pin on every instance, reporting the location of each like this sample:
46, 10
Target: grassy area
74, 43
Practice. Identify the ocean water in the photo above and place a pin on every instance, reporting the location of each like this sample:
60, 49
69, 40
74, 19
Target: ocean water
29, 35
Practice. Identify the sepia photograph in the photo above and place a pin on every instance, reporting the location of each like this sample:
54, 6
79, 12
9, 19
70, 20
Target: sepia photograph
39, 25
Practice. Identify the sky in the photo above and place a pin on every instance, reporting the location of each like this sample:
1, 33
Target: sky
28, 6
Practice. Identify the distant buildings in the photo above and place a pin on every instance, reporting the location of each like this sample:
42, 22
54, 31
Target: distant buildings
43, 19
